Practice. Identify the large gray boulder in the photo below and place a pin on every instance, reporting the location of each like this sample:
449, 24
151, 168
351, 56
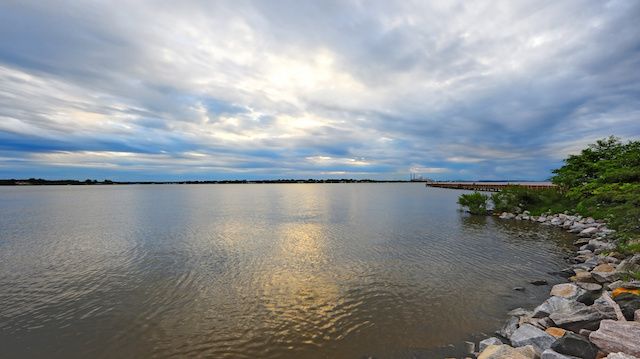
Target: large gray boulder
604, 272
615, 336
527, 334
553, 304
583, 317
576, 345
510, 326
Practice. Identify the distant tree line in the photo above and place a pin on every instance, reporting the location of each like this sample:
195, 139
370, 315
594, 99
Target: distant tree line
43, 182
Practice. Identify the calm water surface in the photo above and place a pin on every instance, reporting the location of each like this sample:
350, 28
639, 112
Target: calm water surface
269, 271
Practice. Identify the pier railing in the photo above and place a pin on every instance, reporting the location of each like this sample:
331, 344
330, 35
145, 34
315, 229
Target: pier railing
489, 186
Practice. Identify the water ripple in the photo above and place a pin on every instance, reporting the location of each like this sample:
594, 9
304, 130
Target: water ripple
258, 271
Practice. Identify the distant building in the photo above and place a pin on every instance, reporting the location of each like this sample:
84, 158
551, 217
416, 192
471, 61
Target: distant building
414, 177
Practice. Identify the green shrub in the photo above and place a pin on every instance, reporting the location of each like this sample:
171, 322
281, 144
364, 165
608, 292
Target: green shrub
517, 198
475, 202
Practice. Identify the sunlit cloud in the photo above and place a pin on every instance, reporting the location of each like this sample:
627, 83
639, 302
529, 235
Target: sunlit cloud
463, 159
250, 89
325, 160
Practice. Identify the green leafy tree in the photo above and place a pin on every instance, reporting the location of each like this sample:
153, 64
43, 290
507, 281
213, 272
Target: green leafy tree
606, 161
604, 181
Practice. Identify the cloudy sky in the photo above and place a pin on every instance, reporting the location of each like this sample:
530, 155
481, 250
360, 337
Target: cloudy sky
296, 89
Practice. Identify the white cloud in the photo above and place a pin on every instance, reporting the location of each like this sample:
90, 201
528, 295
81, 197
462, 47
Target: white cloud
463, 159
264, 87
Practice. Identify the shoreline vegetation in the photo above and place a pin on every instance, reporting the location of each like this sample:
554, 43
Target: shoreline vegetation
602, 182
597, 313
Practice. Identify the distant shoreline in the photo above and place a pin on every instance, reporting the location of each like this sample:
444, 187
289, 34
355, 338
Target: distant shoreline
91, 182
110, 183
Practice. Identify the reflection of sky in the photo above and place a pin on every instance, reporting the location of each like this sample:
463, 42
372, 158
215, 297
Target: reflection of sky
196, 90
333, 270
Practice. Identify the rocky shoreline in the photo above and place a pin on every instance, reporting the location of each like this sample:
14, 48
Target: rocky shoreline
595, 315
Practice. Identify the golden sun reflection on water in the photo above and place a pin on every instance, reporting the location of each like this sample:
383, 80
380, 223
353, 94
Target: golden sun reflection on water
302, 242
303, 298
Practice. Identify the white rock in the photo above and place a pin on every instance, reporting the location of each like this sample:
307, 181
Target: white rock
551, 305
556, 221
588, 231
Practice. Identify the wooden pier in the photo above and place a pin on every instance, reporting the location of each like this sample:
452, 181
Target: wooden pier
489, 186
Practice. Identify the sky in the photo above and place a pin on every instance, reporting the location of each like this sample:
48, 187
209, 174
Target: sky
195, 90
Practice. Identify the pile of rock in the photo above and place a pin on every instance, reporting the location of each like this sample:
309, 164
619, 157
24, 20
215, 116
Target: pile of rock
583, 226
595, 315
